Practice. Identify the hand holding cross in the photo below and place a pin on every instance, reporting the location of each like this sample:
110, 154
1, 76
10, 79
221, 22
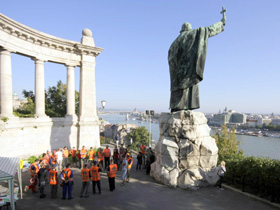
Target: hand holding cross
224, 16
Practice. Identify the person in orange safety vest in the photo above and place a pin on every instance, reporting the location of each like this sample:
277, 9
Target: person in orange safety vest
91, 155
54, 159
53, 182
129, 165
143, 151
34, 169
65, 155
83, 153
67, 182
107, 154
100, 156
73, 153
95, 176
112, 170
85, 173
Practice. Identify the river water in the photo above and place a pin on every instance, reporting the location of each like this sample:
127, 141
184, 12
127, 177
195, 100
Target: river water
251, 145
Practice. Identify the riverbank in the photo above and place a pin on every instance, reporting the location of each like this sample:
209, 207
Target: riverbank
252, 132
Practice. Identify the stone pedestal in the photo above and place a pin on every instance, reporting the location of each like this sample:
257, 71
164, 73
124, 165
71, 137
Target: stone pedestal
186, 154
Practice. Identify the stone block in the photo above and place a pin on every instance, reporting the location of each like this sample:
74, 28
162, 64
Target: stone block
186, 154
189, 132
168, 151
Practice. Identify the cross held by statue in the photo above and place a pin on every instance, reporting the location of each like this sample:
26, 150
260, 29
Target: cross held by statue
223, 11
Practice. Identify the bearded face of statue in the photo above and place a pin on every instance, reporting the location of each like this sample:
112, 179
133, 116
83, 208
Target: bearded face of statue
186, 27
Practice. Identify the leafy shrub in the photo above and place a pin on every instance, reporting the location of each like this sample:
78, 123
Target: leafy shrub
260, 176
105, 140
33, 158
102, 139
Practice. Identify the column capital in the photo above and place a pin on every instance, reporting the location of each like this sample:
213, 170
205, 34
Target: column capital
70, 66
38, 60
5, 51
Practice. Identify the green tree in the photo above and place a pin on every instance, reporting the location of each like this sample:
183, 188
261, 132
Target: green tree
27, 109
139, 135
55, 101
227, 143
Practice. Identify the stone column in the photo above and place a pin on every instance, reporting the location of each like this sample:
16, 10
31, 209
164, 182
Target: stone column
88, 119
39, 88
6, 84
70, 92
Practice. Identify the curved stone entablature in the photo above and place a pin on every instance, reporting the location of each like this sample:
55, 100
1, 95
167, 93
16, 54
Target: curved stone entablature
22, 39
40, 47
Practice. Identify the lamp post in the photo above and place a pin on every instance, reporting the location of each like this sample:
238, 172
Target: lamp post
150, 113
103, 104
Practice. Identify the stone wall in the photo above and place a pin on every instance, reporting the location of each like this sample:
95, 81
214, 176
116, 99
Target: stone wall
23, 137
186, 155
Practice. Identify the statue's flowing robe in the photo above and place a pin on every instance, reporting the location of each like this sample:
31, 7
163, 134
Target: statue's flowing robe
186, 58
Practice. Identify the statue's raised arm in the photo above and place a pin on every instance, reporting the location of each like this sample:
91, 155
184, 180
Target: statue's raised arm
186, 58
218, 27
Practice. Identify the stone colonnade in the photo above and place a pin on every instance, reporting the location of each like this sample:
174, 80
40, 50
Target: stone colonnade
41, 48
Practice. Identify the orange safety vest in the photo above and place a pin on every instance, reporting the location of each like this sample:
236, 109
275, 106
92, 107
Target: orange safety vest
85, 174
83, 153
66, 153
53, 177
130, 165
66, 174
113, 170
107, 153
143, 149
53, 159
73, 152
32, 171
100, 156
48, 157
95, 175
91, 155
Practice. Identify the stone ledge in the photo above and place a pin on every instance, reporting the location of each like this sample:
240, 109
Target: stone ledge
252, 196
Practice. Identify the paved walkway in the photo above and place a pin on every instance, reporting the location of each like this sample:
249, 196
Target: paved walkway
141, 193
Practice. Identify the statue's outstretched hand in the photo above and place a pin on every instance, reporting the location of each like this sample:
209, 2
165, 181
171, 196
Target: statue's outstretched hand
224, 19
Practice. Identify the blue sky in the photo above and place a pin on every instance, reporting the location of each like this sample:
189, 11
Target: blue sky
242, 66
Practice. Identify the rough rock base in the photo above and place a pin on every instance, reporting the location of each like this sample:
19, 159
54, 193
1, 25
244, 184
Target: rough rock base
186, 155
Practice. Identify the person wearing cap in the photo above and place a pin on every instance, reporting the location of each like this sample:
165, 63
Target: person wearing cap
129, 166
95, 176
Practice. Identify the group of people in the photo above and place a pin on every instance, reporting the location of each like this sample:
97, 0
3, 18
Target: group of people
145, 157
46, 170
